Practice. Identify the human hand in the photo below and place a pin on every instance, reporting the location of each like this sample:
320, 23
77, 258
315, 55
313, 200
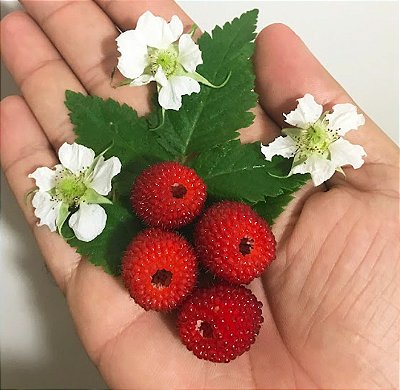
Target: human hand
330, 298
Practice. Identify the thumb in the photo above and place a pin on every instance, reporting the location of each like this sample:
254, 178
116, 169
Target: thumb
286, 70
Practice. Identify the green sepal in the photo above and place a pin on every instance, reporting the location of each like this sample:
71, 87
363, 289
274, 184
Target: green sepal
97, 159
193, 29
293, 132
340, 170
123, 83
29, 194
62, 217
91, 196
297, 160
203, 80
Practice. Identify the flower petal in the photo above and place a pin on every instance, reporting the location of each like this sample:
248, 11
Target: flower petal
134, 56
170, 95
281, 146
344, 117
150, 27
88, 222
320, 169
345, 153
160, 77
176, 27
103, 173
44, 178
46, 209
189, 53
157, 32
75, 157
306, 113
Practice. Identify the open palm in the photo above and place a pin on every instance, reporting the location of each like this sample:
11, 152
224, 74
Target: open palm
330, 298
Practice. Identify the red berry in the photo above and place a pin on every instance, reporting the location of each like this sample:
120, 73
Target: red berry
159, 269
168, 195
234, 242
220, 323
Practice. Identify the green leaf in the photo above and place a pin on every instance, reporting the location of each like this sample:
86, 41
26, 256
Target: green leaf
107, 249
214, 116
100, 123
271, 208
240, 172
207, 123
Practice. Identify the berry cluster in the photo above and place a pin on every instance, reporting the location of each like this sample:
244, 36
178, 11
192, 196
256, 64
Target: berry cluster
160, 267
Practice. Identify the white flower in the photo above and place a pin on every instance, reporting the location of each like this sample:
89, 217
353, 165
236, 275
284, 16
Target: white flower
78, 185
316, 141
158, 51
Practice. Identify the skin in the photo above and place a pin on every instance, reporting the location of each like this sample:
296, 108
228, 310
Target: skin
331, 298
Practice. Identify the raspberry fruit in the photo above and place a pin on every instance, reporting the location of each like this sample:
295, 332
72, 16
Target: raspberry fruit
159, 269
220, 323
168, 195
234, 242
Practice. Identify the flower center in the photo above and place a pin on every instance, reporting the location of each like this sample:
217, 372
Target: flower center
69, 188
166, 58
316, 139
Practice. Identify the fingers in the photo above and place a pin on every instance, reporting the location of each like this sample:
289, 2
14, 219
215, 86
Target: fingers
85, 37
126, 13
40, 73
286, 70
263, 129
25, 148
